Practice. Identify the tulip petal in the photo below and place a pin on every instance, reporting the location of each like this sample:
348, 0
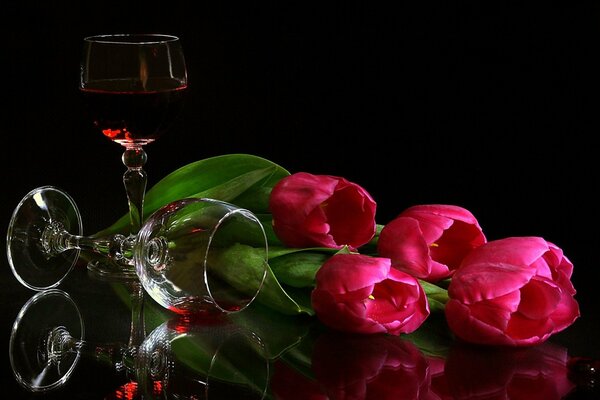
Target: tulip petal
432, 226
342, 316
529, 331
449, 211
350, 231
564, 265
472, 283
455, 243
413, 255
539, 298
342, 274
470, 329
386, 302
497, 312
316, 222
522, 251
566, 313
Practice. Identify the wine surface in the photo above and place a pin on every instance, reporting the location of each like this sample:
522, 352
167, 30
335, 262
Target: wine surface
131, 113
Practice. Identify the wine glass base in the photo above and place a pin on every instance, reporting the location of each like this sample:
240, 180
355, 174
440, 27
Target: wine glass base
108, 270
35, 366
29, 256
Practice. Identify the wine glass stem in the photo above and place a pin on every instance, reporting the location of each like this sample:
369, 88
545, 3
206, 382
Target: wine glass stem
137, 332
59, 342
135, 180
55, 239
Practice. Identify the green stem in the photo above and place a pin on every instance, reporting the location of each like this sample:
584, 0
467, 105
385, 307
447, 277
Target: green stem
437, 296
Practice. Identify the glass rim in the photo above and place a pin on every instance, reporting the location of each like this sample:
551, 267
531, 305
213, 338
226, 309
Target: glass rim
249, 215
132, 38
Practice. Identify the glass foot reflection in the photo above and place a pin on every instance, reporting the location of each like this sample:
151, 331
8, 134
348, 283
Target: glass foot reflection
42, 346
181, 358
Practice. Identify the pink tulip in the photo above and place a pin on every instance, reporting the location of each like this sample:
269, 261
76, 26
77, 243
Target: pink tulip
321, 210
515, 291
363, 294
430, 241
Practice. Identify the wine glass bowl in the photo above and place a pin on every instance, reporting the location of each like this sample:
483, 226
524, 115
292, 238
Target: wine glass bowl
132, 85
205, 255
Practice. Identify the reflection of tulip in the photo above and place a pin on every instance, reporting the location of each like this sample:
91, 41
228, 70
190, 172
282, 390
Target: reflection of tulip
321, 210
514, 291
370, 367
289, 384
429, 241
362, 294
538, 372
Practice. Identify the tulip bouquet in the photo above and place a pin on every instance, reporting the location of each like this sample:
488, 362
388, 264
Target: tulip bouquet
330, 259
513, 291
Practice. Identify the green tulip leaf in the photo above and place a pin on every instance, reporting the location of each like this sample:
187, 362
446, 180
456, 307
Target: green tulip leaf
226, 264
278, 332
274, 296
243, 179
230, 362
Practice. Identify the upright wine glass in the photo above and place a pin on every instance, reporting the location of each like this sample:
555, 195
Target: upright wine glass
193, 255
181, 358
132, 87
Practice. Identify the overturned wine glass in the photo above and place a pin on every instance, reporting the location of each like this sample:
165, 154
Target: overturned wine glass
181, 358
192, 255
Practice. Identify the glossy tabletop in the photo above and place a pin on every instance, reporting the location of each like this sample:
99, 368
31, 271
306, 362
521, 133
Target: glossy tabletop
296, 357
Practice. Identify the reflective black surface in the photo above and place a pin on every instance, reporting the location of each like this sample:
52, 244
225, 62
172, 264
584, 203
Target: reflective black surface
482, 105
298, 357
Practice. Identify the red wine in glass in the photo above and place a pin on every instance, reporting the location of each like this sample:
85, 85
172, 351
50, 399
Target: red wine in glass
127, 112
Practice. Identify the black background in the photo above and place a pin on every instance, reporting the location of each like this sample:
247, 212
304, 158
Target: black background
493, 107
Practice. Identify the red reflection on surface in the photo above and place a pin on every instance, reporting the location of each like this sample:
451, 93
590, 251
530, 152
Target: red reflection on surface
185, 322
478, 372
128, 391
157, 387
370, 367
288, 383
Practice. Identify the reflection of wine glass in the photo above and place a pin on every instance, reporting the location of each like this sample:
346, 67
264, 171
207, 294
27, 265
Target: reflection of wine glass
132, 86
46, 324
181, 357
191, 255
189, 357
